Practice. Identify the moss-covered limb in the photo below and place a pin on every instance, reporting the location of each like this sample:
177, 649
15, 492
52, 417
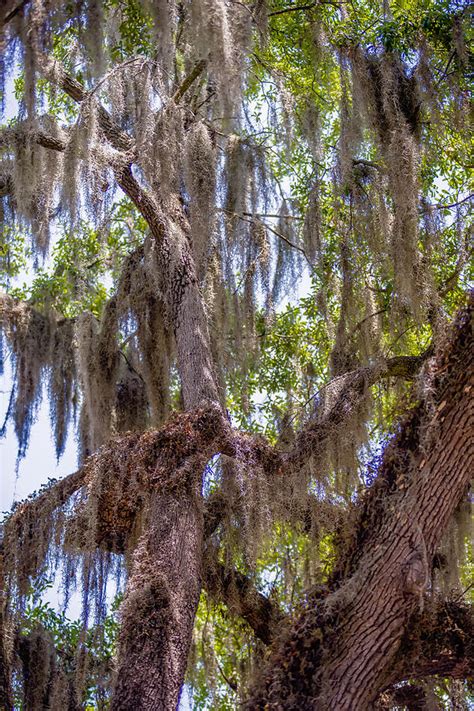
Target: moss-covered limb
184, 303
120, 475
339, 652
189, 80
343, 396
173, 263
438, 641
30, 532
244, 446
55, 494
445, 381
241, 597
160, 603
237, 444
55, 72
164, 584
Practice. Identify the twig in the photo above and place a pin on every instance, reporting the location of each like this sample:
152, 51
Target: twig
228, 681
267, 214
292, 9
131, 366
271, 229
358, 325
464, 592
454, 204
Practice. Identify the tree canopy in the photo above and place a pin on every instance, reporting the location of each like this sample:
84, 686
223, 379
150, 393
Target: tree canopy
246, 231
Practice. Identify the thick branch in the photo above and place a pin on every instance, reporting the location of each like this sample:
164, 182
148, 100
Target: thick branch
339, 652
56, 73
347, 392
15, 11
308, 440
439, 641
143, 200
54, 495
164, 585
179, 284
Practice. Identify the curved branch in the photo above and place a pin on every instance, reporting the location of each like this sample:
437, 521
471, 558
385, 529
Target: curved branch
347, 391
439, 641
310, 439
56, 74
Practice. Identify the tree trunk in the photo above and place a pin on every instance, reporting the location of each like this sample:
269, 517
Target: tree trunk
165, 582
158, 612
6, 696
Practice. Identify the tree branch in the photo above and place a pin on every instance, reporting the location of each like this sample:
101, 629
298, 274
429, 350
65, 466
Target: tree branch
340, 650
439, 641
242, 598
295, 8
55, 73
16, 10
348, 392
189, 80
278, 234
454, 204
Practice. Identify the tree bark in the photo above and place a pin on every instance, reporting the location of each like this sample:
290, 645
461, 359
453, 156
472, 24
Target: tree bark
345, 644
6, 696
164, 582
160, 605
340, 649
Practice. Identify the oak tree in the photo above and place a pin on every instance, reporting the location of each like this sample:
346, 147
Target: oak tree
246, 230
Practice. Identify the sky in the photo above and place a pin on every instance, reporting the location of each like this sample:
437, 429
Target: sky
40, 462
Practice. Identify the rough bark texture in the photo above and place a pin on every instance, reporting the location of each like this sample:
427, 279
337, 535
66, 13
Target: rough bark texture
439, 641
385, 563
160, 605
242, 598
165, 579
6, 697
340, 649
344, 646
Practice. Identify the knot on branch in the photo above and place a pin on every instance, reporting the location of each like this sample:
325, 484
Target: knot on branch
123, 474
416, 573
